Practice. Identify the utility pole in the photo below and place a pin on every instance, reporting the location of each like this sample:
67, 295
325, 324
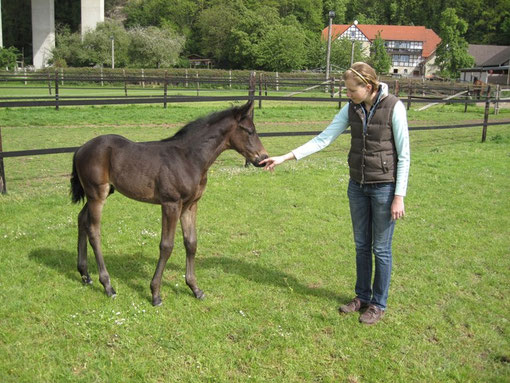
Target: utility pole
328, 54
352, 46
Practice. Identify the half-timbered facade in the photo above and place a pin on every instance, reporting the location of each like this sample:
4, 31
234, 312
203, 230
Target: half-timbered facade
411, 48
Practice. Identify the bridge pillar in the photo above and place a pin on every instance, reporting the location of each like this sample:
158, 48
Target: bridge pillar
92, 12
43, 31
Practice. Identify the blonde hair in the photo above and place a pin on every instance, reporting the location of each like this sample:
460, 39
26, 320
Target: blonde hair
363, 74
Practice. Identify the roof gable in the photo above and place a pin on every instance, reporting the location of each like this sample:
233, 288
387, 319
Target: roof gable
391, 32
489, 55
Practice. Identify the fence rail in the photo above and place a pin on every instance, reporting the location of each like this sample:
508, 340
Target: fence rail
411, 92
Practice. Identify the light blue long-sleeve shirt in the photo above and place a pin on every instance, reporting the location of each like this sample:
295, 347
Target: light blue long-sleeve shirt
341, 122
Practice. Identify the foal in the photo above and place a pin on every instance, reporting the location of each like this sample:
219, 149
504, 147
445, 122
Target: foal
171, 173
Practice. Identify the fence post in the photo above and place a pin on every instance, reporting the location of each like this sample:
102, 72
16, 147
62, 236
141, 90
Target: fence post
251, 89
467, 98
198, 85
410, 90
125, 81
165, 89
143, 78
340, 95
102, 81
230, 78
62, 74
25, 75
260, 90
56, 89
333, 87
277, 82
486, 114
496, 104
49, 83
3, 186
186, 76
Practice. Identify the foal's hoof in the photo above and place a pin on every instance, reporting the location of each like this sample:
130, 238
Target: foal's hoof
111, 293
86, 280
156, 302
199, 294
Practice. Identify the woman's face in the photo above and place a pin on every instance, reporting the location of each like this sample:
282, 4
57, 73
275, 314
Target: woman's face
358, 93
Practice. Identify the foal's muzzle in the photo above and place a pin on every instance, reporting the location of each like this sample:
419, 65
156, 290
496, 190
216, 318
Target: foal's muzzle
257, 160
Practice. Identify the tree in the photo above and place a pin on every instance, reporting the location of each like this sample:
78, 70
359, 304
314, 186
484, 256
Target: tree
214, 26
97, 44
379, 57
282, 49
154, 47
452, 53
242, 43
341, 50
68, 49
8, 57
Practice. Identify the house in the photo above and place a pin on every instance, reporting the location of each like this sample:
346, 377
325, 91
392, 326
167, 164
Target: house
198, 61
412, 48
491, 64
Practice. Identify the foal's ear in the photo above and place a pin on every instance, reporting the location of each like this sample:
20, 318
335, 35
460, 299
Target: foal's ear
245, 111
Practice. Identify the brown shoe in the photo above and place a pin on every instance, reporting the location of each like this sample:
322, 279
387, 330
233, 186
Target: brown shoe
355, 305
372, 315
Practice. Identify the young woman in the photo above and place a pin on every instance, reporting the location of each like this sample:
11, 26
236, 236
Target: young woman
379, 160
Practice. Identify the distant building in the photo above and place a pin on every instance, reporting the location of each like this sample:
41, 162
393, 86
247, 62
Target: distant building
199, 61
491, 64
412, 49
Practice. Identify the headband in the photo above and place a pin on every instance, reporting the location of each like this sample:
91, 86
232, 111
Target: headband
359, 75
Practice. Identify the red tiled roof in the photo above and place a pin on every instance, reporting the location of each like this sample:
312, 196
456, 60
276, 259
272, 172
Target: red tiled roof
392, 32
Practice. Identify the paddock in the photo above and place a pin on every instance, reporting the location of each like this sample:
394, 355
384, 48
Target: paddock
275, 254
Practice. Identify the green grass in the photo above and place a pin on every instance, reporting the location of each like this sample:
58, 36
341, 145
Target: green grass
275, 259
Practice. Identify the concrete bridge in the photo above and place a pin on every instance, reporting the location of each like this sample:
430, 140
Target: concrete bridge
43, 25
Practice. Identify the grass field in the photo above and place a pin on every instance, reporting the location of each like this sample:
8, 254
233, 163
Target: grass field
275, 259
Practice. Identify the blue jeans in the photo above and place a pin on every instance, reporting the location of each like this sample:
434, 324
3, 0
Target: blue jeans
373, 231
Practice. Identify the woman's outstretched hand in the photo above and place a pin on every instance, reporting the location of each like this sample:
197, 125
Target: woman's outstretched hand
271, 162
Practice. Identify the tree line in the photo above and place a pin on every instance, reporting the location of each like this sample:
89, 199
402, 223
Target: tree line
271, 35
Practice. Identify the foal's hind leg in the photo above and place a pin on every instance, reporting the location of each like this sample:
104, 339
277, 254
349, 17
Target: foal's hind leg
189, 233
95, 207
83, 218
170, 216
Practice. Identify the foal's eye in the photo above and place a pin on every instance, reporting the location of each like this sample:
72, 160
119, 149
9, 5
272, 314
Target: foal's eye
248, 130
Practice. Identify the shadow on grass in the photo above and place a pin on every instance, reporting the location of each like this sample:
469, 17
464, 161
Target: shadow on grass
264, 275
132, 270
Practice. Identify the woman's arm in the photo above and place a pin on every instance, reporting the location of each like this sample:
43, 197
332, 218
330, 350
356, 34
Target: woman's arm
337, 127
401, 137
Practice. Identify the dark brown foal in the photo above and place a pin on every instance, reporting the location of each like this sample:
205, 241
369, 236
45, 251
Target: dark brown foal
172, 173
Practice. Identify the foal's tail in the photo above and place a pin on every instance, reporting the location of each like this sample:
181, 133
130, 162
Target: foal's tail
77, 192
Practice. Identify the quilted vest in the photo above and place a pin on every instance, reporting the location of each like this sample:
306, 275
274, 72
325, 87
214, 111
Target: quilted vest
373, 157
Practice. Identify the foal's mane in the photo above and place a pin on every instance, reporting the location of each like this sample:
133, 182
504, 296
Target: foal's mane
203, 122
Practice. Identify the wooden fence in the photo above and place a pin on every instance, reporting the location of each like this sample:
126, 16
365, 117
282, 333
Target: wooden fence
294, 89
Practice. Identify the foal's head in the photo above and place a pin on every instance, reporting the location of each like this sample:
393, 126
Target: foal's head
244, 138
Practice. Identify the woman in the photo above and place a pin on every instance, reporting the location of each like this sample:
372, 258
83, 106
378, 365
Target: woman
379, 161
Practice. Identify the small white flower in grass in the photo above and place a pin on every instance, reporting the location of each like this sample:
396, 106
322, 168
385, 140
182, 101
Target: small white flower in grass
242, 313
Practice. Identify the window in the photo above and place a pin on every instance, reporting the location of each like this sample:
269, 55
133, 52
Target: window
405, 60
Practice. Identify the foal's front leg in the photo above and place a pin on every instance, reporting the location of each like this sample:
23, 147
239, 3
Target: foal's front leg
189, 233
170, 216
